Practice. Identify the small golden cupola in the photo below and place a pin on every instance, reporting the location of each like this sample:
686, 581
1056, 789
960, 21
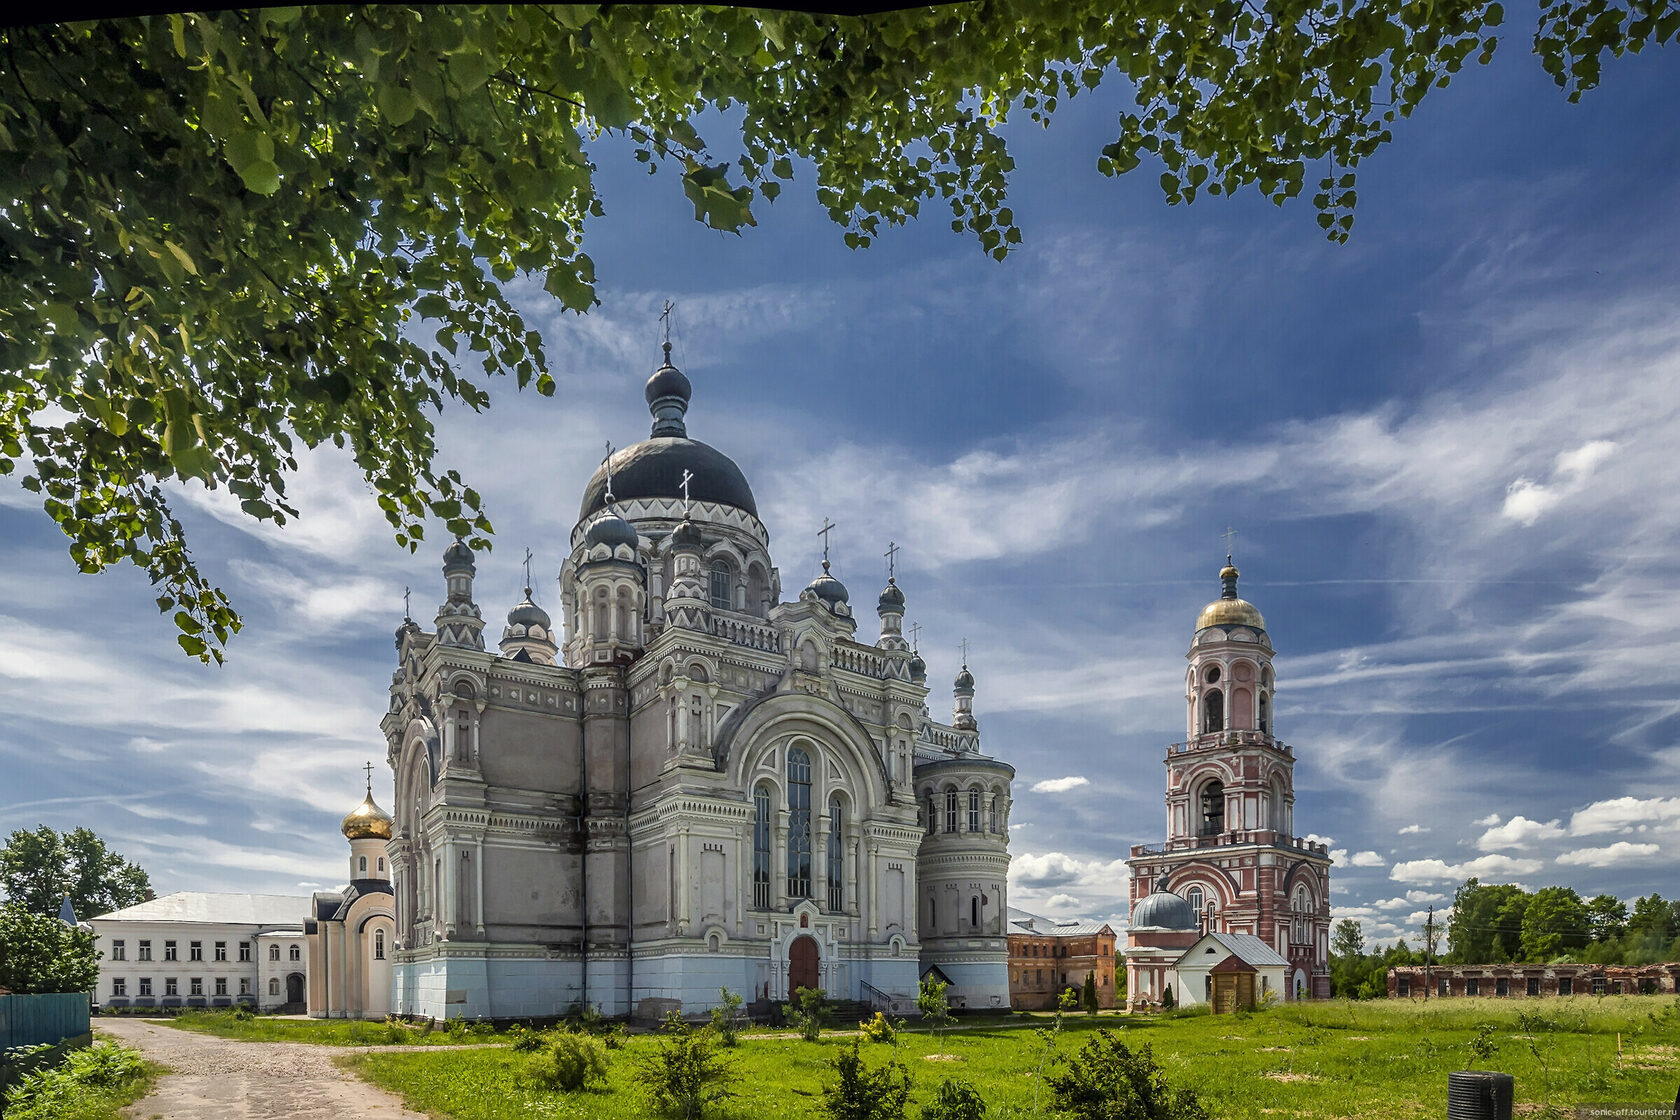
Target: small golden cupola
1228, 610
367, 821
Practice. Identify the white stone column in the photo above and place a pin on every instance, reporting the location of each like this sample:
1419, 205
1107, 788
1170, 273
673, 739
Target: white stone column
684, 880
778, 861
819, 860
445, 906
478, 885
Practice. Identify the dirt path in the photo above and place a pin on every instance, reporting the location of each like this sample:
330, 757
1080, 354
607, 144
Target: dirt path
220, 1079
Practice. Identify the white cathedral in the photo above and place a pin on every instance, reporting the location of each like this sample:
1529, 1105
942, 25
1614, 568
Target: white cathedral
695, 786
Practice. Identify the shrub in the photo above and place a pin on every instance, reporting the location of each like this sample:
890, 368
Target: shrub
806, 1014
935, 1008
1089, 997
862, 1093
684, 1074
726, 1018
1167, 998
1107, 1080
879, 1029
955, 1100
1482, 1046
64, 1090
568, 1061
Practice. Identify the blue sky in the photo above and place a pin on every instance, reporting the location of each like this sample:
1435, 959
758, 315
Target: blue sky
1447, 446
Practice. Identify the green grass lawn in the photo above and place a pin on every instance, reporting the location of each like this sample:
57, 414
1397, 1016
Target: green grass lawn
1386, 1059
327, 1032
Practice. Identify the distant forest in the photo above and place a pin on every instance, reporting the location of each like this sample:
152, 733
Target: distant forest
1497, 923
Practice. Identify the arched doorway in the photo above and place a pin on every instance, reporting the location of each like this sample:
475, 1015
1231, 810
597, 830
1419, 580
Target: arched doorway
802, 964
294, 988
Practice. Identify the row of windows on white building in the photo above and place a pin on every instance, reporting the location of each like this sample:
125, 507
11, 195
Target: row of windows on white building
195, 950
953, 812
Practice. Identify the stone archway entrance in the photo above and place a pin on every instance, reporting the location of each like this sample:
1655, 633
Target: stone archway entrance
294, 988
802, 964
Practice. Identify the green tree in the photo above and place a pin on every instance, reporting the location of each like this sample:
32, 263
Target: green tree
1348, 939
39, 953
1108, 1080
1554, 922
861, 1093
1486, 923
1653, 915
234, 235
1607, 917
37, 869
1088, 995
935, 1007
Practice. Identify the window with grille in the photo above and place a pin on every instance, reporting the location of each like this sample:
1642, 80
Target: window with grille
992, 810
721, 598
761, 848
378, 944
974, 810
836, 856
799, 824
950, 810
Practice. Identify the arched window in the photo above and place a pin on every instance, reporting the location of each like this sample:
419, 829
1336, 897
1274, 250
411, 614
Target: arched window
799, 824
836, 856
1277, 810
361, 865
1265, 714
295, 953
378, 944
1213, 711
1213, 808
974, 810
273, 985
761, 847
722, 597
381, 863
932, 817
950, 810
463, 735
992, 810
1194, 897
274, 952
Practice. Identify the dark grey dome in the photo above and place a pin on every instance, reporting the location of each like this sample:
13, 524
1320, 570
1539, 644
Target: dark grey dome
668, 381
918, 668
686, 535
527, 613
828, 589
457, 556
1163, 909
654, 469
892, 599
611, 530
965, 679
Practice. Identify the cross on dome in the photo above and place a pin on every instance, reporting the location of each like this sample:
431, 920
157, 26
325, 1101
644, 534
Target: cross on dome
823, 533
688, 476
369, 769
892, 561
607, 462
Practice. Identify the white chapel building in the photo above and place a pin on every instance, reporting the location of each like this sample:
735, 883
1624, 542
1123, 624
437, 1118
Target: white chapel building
688, 782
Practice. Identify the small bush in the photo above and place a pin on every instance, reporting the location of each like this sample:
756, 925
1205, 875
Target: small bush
806, 1014
1167, 998
1483, 1046
1107, 1080
862, 1093
684, 1075
569, 1061
1088, 997
955, 1100
726, 1018
879, 1029
67, 1089
524, 1039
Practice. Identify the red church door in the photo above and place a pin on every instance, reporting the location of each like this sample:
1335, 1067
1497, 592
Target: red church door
802, 964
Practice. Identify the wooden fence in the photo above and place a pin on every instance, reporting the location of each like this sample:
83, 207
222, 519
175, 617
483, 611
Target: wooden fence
33, 1020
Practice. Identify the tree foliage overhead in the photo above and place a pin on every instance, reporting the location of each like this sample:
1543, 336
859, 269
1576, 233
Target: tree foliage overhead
225, 237
38, 869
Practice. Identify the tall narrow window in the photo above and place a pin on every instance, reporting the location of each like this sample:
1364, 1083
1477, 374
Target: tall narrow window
722, 600
378, 944
1213, 711
836, 856
950, 810
761, 848
463, 735
991, 810
1265, 714
799, 824
974, 810
974, 911
932, 817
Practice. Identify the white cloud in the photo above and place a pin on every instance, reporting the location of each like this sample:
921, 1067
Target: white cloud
1518, 832
1624, 814
1413, 830
1526, 500
1060, 902
1619, 852
1416, 897
1482, 867
1059, 785
1367, 859
1491, 818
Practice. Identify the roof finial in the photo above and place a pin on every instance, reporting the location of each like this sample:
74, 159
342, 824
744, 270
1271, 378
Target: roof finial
1228, 534
915, 629
965, 653
823, 533
527, 573
369, 769
406, 617
607, 462
665, 317
688, 476
892, 561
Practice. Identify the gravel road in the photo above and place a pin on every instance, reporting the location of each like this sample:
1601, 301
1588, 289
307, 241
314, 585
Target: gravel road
220, 1079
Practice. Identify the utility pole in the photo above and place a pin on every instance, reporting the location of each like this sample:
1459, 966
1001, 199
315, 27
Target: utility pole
1428, 949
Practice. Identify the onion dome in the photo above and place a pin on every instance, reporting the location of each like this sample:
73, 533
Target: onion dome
1228, 610
668, 389
611, 530
918, 668
686, 536
458, 557
527, 614
1162, 909
965, 680
892, 599
827, 588
367, 821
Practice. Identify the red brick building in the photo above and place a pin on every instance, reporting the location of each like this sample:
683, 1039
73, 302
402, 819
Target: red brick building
1444, 982
1046, 957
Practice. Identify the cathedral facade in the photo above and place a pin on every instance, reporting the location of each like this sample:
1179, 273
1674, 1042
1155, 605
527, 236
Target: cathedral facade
690, 783
1231, 863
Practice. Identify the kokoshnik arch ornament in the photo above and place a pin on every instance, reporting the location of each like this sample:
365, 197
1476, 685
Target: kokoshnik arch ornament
221, 230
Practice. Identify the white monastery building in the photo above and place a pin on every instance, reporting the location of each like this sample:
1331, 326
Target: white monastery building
688, 784
193, 949
1232, 863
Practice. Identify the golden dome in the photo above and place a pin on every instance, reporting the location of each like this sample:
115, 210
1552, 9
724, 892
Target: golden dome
367, 821
1230, 612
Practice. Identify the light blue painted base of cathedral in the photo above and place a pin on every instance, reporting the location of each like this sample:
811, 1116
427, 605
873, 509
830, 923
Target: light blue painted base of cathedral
977, 986
480, 988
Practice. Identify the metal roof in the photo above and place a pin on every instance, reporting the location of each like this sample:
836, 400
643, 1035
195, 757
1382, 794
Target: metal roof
216, 909
1245, 946
1024, 922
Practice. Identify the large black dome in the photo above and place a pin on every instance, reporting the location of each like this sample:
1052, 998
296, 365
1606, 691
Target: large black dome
654, 469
